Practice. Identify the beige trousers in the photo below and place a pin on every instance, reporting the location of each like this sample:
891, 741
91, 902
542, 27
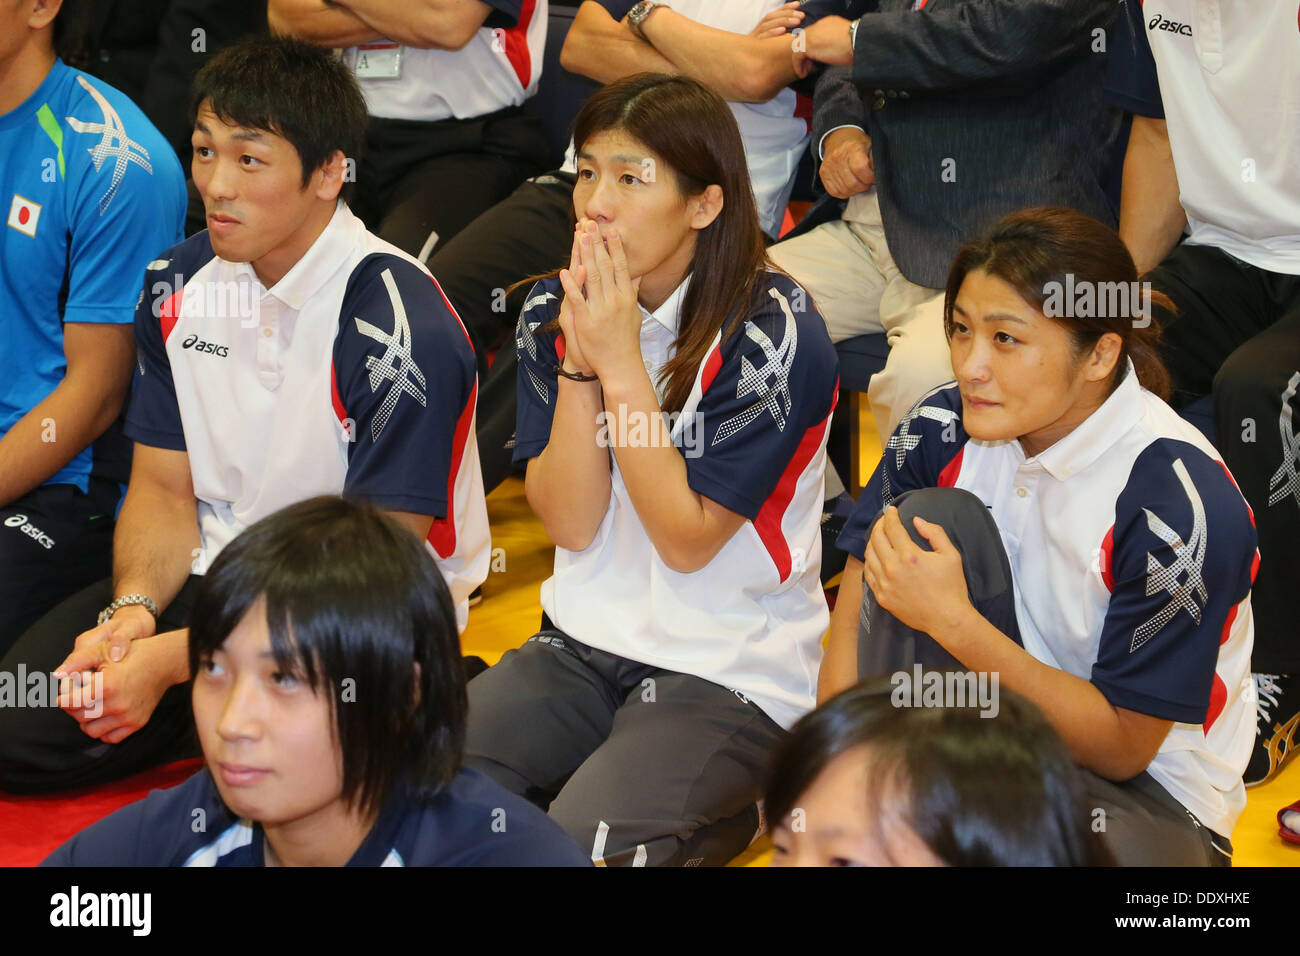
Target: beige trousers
846, 267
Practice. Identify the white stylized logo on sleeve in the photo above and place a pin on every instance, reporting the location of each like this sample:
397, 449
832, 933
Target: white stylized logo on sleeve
526, 339
773, 398
902, 440
1189, 560
396, 365
1286, 480
114, 143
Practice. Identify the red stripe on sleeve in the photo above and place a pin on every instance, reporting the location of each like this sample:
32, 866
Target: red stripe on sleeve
442, 533
1106, 558
948, 477
770, 516
169, 312
517, 44
712, 365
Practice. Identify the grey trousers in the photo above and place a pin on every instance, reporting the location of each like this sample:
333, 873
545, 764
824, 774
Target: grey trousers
1138, 820
643, 766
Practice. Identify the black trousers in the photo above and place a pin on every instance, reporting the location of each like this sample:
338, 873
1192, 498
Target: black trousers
420, 183
646, 767
528, 233
43, 749
54, 540
1140, 822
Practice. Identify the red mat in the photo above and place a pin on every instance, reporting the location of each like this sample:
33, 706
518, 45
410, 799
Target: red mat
31, 828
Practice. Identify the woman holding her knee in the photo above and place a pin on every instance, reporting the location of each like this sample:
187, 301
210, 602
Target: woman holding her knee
674, 400
1049, 518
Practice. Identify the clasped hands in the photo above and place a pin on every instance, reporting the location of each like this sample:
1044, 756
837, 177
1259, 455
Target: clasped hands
132, 662
926, 590
599, 315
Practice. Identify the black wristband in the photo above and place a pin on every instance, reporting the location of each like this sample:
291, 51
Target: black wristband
574, 376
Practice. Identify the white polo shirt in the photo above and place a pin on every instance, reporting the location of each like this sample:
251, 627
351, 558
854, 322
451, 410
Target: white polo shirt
499, 67
1228, 74
753, 434
775, 133
351, 375
1132, 553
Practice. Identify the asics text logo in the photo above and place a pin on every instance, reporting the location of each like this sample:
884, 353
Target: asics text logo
1169, 26
198, 345
25, 527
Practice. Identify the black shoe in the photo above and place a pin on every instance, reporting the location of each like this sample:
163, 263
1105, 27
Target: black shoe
1276, 729
476, 596
474, 666
834, 515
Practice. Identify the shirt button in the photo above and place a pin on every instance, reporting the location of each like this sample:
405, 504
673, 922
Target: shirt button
1022, 492
267, 333
878, 103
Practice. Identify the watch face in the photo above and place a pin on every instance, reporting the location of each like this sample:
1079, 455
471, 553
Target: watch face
638, 11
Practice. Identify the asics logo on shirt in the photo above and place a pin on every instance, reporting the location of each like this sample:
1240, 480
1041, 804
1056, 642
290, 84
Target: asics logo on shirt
396, 365
773, 398
115, 143
198, 345
1189, 559
1159, 22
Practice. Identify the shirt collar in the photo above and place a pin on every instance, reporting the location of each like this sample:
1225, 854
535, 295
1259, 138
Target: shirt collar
669, 314
1096, 433
329, 252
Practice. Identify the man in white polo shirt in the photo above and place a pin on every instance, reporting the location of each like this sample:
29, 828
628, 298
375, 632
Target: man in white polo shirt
285, 352
1213, 153
444, 81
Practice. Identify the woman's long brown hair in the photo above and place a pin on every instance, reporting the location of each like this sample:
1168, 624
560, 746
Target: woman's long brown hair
691, 129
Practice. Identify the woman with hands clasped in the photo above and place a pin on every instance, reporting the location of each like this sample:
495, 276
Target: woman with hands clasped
1048, 522
674, 400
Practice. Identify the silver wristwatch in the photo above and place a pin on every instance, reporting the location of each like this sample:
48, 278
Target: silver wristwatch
853, 34
125, 600
636, 16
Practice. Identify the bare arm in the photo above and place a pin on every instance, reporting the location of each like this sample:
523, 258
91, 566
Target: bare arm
686, 528
738, 67
317, 22
840, 665
72, 416
599, 47
1150, 216
429, 24
568, 484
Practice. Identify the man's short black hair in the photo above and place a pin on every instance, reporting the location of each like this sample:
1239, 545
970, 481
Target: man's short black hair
293, 89
351, 596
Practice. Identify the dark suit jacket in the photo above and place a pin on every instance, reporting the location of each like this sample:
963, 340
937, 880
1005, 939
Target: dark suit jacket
975, 108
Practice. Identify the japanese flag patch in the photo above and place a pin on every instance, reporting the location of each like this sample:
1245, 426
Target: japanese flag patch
23, 215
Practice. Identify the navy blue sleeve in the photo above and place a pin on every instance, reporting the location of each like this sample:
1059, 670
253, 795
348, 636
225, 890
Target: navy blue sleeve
162, 829
505, 14
1131, 82
1178, 560
153, 416
617, 8
926, 442
767, 392
406, 382
539, 353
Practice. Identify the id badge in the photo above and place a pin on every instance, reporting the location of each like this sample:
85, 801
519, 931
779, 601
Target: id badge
381, 60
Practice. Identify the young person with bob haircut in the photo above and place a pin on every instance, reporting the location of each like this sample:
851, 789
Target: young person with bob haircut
863, 782
1047, 517
675, 394
329, 698
283, 352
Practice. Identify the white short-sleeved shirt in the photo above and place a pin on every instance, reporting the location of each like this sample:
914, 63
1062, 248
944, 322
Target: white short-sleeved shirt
1132, 553
1228, 74
351, 375
775, 133
499, 67
753, 432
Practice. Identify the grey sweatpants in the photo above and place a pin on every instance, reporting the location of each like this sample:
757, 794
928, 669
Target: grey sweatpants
1140, 822
646, 767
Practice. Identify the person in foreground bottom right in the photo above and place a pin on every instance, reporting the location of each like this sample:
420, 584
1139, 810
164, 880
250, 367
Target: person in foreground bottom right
872, 778
1049, 519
